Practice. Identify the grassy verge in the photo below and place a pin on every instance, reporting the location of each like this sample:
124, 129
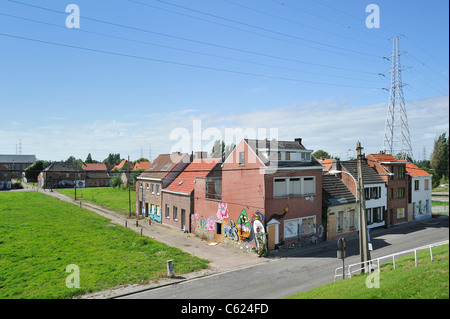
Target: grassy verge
430, 280
40, 236
112, 198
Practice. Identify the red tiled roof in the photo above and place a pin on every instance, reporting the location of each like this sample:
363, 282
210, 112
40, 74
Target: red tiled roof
122, 164
415, 171
94, 167
384, 157
327, 163
142, 165
184, 183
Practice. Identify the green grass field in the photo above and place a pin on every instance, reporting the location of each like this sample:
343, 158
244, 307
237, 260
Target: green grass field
429, 280
113, 198
40, 236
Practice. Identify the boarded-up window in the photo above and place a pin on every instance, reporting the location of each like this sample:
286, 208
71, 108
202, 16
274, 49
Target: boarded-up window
279, 187
295, 186
310, 186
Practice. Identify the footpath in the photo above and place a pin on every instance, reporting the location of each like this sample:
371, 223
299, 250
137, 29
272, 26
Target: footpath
222, 258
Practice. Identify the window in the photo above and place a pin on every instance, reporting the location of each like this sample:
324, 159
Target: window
146, 186
368, 193
416, 185
427, 184
351, 219
140, 185
152, 188
279, 156
153, 166
340, 221
401, 192
288, 156
157, 189
401, 172
165, 167
279, 187
309, 186
175, 213
369, 216
391, 193
167, 211
295, 186
241, 158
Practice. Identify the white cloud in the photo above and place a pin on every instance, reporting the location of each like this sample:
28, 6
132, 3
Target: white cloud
334, 126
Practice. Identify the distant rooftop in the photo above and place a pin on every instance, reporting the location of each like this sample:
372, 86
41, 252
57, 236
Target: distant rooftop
17, 158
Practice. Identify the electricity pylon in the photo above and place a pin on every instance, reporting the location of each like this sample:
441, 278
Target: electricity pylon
397, 139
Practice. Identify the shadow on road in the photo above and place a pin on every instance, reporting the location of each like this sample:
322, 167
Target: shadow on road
329, 248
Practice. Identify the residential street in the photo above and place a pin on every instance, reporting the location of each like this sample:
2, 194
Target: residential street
301, 269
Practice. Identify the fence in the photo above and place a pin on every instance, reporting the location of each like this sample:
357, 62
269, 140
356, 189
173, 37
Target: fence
370, 265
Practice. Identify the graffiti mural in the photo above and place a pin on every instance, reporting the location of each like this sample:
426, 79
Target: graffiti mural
222, 212
230, 231
279, 216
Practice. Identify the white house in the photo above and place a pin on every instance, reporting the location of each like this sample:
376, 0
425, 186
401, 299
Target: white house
375, 193
420, 187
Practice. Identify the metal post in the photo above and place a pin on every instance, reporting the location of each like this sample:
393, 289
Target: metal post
129, 182
363, 242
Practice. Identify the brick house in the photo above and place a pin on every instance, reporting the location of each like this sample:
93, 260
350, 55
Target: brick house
375, 191
17, 164
420, 189
149, 185
394, 174
340, 212
62, 175
5, 177
178, 198
96, 175
271, 194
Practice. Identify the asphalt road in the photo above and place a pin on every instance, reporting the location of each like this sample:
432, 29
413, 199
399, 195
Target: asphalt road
301, 269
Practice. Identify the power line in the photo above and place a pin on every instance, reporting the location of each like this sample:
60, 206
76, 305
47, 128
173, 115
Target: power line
259, 28
301, 24
180, 63
197, 41
184, 50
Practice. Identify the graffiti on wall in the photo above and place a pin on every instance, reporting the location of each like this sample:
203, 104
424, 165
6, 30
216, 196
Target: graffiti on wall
222, 212
279, 216
247, 228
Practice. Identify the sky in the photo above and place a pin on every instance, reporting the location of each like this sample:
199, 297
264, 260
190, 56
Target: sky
139, 77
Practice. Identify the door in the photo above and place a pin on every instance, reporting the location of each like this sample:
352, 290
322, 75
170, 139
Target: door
272, 236
331, 233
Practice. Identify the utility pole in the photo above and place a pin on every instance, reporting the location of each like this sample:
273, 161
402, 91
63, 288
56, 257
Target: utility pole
363, 239
129, 184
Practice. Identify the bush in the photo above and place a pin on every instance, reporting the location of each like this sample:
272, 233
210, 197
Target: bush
116, 181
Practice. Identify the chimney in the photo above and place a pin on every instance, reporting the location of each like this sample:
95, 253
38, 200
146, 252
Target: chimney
200, 155
336, 165
299, 141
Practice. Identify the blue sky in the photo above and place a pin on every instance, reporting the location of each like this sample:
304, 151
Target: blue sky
136, 71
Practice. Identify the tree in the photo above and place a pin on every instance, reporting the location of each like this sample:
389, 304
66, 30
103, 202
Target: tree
89, 159
439, 157
321, 154
112, 159
219, 150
